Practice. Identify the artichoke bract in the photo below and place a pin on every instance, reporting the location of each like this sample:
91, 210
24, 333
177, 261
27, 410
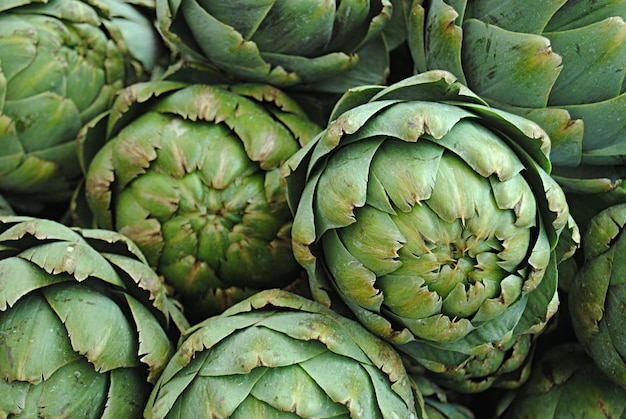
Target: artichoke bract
278, 354
433, 217
86, 326
560, 63
320, 45
191, 173
61, 63
596, 298
565, 383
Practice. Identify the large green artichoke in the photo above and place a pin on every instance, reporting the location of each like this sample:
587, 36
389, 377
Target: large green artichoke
565, 383
279, 355
434, 219
191, 173
86, 326
320, 45
61, 63
560, 63
597, 294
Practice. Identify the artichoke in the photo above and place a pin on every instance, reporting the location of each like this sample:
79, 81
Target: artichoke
560, 63
277, 354
565, 383
596, 298
434, 219
191, 173
86, 327
323, 46
61, 63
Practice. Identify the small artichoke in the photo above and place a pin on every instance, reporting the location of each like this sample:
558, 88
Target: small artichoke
320, 45
597, 298
559, 63
565, 383
280, 355
434, 219
191, 173
61, 63
86, 327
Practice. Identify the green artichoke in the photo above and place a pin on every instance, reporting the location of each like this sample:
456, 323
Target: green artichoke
320, 45
596, 298
86, 327
191, 173
560, 63
61, 63
565, 383
434, 219
280, 355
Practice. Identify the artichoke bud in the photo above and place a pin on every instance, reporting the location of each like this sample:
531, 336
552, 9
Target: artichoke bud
433, 217
82, 315
61, 63
191, 173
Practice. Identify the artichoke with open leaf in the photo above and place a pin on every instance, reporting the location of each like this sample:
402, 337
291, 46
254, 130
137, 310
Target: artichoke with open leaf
433, 218
560, 63
61, 63
280, 355
86, 327
191, 173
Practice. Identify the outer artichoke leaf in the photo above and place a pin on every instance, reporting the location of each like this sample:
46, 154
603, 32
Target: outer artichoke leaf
318, 72
155, 348
84, 391
253, 408
614, 306
396, 401
343, 185
97, 327
18, 52
442, 39
353, 97
604, 231
292, 389
228, 357
112, 244
311, 327
351, 23
352, 278
593, 59
14, 396
128, 393
231, 13
220, 396
515, 194
598, 133
98, 184
511, 67
575, 14
34, 342
329, 371
436, 328
77, 259
530, 16
18, 277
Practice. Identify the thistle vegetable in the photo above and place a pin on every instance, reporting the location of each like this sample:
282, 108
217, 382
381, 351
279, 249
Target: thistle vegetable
191, 173
277, 354
434, 219
596, 298
321, 46
565, 382
61, 63
560, 63
86, 327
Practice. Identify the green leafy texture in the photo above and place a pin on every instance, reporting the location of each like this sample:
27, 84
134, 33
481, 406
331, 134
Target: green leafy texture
279, 354
81, 315
561, 64
191, 174
596, 295
50, 52
435, 221
321, 46
565, 382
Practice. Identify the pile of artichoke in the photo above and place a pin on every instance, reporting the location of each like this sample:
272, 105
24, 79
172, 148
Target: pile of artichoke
280, 209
